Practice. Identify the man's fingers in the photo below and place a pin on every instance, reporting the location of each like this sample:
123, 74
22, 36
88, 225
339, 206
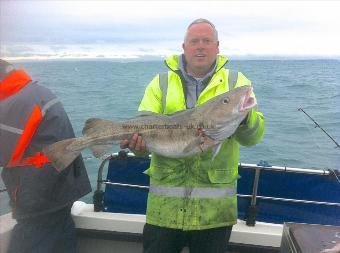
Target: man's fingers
136, 143
133, 141
124, 144
143, 146
140, 144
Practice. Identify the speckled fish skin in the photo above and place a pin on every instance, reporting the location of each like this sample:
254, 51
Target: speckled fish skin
335, 249
178, 135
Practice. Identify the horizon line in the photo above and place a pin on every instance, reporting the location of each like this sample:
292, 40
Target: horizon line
162, 57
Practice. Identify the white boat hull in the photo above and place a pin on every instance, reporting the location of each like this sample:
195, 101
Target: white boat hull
102, 232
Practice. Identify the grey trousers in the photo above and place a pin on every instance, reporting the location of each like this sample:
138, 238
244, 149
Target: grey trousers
51, 233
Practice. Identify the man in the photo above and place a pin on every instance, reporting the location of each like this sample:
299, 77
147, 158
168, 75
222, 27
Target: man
41, 198
176, 217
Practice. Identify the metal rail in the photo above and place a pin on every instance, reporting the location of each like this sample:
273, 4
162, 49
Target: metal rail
126, 185
100, 172
325, 171
253, 196
238, 195
285, 169
291, 200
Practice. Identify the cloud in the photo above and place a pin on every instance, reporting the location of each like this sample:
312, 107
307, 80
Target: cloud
90, 27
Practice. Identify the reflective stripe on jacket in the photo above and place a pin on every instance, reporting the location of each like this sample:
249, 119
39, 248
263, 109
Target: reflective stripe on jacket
32, 118
197, 192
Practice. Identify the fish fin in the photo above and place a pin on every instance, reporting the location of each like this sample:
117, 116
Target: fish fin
60, 155
100, 150
192, 145
220, 133
201, 142
95, 125
216, 150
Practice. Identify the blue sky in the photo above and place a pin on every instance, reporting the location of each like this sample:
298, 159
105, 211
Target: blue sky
132, 29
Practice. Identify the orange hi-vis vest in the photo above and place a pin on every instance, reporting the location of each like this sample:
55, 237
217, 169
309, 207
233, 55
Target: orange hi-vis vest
31, 118
11, 86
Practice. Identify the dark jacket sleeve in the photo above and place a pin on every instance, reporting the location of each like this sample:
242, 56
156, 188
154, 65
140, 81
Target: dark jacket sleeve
44, 190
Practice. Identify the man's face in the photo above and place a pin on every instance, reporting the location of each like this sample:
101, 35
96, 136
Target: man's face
200, 49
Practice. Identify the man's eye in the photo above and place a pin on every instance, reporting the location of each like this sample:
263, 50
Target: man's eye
194, 41
206, 41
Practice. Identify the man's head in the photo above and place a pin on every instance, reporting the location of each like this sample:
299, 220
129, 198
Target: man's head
5, 69
200, 47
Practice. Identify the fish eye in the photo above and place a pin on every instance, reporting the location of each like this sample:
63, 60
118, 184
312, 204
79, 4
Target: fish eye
226, 101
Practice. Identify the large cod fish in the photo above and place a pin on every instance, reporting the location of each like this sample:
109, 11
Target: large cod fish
178, 135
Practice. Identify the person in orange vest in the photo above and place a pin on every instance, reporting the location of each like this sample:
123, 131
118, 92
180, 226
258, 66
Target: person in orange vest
31, 118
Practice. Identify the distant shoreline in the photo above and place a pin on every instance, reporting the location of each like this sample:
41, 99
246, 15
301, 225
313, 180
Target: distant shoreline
161, 58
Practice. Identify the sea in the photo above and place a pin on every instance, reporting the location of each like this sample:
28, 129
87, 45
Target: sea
112, 89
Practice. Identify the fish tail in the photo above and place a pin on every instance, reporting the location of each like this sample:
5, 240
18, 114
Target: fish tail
60, 154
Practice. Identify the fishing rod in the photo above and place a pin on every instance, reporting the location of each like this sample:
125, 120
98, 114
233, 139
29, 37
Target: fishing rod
317, 125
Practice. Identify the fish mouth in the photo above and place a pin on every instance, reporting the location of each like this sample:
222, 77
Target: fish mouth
248, 102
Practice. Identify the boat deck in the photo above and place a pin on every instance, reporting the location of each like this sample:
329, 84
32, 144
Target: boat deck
101, 232
124, 233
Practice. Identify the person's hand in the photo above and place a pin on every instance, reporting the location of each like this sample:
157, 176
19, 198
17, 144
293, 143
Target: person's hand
136, 145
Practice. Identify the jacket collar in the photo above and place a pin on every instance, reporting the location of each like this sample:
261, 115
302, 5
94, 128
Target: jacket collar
13, 83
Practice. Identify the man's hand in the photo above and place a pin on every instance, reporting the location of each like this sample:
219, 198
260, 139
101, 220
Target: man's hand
136, 145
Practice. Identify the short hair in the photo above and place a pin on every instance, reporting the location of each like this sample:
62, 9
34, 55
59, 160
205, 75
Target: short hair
5, 69
199, 21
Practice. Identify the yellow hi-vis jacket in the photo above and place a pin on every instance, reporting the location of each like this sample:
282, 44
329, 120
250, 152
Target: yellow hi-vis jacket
197, 192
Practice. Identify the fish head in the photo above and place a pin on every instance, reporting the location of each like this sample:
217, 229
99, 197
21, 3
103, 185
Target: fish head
225, 112
236, 102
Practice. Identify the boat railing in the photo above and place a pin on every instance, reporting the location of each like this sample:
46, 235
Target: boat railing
254, 197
